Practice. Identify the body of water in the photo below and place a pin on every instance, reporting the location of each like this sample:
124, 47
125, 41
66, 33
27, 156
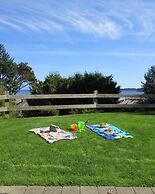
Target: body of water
24, 92
131, 91
123, 91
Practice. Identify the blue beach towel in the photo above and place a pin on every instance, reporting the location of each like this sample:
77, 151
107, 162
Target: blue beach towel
110, 132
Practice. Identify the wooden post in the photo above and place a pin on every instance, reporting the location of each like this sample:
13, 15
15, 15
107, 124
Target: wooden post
95, 99
7, 101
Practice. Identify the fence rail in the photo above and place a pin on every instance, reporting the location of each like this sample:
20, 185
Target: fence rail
94, 96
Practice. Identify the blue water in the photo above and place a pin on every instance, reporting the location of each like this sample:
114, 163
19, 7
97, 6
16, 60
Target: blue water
125, 91
24, 92
132, 91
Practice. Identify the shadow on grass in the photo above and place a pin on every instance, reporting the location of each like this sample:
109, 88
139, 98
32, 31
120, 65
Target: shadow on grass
144, 112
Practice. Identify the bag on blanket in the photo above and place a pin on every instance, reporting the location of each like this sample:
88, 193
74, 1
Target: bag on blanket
53, 133
109, 132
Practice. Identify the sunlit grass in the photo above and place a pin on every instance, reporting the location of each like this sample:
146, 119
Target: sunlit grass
27, 159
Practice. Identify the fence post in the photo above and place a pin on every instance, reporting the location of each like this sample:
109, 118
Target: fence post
7, 101
95, 98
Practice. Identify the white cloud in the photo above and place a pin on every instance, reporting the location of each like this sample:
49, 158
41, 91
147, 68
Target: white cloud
99, 27
10, 24
100, 18
39, 25
84, 53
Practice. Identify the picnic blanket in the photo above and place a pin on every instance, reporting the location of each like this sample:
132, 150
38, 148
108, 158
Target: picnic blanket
110, 132
53, 136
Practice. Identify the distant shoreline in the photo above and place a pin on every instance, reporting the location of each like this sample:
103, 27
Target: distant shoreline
122, 91
139, 89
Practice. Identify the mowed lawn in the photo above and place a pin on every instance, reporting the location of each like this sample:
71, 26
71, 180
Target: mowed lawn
27, 159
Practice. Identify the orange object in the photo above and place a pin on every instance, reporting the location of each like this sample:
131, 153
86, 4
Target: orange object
109, 131
74, 127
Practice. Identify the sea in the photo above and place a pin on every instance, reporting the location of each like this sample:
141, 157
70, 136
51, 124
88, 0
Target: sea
131, 91
123, 91
23, 92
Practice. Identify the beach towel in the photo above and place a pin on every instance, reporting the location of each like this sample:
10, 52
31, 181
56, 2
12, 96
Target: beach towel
53, 136
110, 132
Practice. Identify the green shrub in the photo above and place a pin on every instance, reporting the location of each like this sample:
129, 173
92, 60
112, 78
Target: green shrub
54, 112
149, 85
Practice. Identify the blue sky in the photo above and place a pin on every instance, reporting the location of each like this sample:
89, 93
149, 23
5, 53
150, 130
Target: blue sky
67, 36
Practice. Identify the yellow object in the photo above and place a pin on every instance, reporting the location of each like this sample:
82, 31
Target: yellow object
74, 127
104, 125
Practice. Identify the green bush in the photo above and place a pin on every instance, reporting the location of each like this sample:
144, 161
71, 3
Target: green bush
54, 112
149, 85
76, 84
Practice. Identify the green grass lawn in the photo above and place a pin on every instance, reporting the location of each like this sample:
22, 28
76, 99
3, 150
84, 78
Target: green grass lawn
26, 159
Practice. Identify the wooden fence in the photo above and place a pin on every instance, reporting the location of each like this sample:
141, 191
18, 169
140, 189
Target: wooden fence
94, 96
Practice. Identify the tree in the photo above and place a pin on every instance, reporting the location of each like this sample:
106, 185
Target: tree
5, 63
13, 76
88, 82
78, 83
37, 87
149, 85
53, 83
